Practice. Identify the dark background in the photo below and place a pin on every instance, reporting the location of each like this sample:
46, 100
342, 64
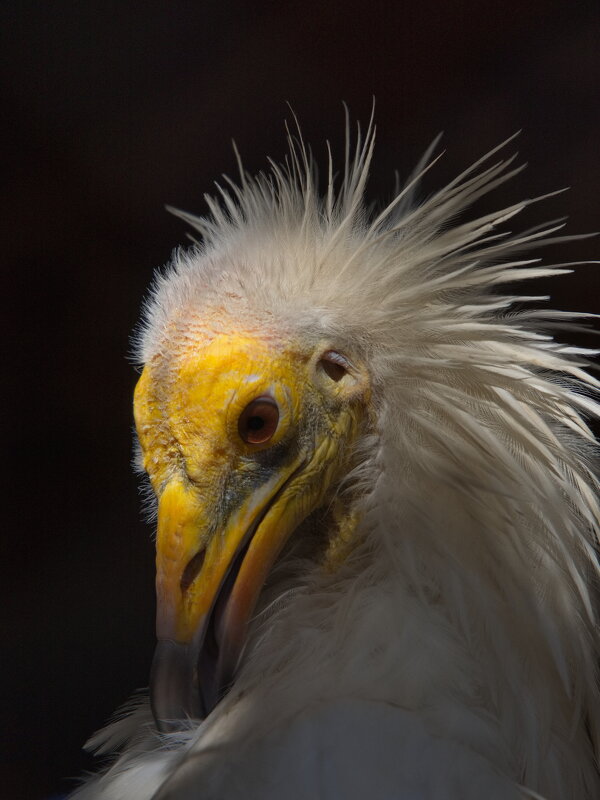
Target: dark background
113, 109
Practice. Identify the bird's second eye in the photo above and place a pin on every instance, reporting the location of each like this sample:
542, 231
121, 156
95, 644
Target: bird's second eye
259, 420
334, 365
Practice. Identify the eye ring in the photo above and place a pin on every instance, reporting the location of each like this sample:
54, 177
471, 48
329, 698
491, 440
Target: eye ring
259, 420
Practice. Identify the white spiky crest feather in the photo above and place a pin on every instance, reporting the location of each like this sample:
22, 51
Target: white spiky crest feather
476, 485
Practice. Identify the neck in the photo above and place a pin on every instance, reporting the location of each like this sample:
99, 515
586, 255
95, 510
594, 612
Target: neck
465, 597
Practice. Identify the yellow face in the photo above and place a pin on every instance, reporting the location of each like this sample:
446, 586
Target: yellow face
242, 437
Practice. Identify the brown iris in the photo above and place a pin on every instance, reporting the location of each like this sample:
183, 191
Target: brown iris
333, 365
258, 421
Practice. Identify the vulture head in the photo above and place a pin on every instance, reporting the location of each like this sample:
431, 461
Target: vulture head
376, 503
245, 429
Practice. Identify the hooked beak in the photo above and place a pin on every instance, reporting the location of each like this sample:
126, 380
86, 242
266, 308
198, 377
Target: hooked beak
207, 585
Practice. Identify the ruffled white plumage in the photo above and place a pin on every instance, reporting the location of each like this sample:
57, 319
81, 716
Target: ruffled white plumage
463, 628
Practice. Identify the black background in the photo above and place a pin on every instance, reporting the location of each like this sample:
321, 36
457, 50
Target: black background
113, 109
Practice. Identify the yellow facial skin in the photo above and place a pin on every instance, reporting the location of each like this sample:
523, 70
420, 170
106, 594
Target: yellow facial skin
217, 493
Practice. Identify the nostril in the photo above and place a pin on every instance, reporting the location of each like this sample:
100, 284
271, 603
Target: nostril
192, 569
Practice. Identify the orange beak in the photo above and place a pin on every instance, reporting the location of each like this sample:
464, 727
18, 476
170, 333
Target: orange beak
206, 594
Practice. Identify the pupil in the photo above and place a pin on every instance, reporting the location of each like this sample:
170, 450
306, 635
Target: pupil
256, 423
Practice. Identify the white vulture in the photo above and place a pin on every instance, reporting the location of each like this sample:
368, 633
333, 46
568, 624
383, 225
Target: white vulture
377, 510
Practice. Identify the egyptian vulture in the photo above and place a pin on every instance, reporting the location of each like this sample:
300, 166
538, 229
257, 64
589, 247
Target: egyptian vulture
376, 504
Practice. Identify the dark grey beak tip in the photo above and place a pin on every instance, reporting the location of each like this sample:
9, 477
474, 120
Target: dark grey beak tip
174, 694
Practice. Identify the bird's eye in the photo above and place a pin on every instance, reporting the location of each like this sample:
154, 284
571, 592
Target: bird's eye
258, 421
334, 365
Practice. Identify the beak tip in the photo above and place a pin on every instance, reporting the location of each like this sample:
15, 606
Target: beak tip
174, 695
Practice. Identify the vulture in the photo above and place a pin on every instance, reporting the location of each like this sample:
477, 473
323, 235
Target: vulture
376, 502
